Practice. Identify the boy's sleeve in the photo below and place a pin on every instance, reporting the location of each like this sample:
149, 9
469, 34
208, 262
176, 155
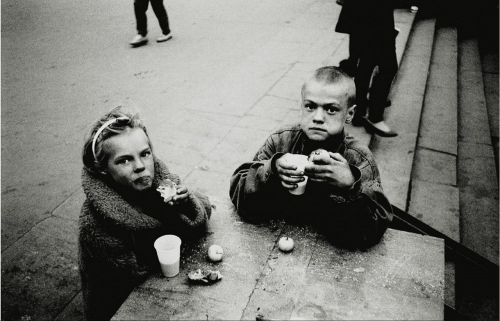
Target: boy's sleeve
252, 183
362, 213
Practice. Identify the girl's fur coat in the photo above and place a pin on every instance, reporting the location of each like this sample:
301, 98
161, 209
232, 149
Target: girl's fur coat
116, 239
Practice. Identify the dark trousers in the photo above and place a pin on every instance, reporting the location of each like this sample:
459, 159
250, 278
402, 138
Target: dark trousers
140, 8
383, 55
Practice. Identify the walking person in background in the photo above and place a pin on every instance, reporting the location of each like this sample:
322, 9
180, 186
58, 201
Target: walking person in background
140, 8
373, 36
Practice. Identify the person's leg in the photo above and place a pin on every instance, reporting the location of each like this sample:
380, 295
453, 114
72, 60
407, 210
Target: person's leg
350, 64
362, 79
354, 51
381, 84
140, 8
379, 91
161, 14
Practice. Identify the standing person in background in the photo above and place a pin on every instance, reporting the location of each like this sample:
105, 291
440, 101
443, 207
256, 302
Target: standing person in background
373, 36
344, 25
140, 8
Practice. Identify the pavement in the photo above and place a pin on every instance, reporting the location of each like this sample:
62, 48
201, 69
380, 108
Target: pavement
209, 97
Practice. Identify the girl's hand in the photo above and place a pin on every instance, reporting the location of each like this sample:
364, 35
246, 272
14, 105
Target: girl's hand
181, 196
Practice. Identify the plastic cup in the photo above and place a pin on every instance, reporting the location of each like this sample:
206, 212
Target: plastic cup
300, 161
168, 249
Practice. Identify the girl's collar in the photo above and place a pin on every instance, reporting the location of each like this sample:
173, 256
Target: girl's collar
113, 206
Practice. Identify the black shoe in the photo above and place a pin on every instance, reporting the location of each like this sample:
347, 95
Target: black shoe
371, 128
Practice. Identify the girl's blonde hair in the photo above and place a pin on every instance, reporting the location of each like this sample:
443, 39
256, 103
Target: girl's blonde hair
113, 123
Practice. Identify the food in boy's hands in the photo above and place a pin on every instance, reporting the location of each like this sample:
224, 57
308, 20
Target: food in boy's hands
285, 244
319, 152
204, 276
167, 189
215, 253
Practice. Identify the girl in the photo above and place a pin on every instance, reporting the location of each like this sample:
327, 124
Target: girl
123, 213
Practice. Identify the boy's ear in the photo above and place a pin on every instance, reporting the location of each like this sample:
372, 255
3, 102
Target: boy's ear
350, 114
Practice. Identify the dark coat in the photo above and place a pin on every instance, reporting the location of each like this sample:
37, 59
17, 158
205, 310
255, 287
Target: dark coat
116, 240
370, 21
357, 217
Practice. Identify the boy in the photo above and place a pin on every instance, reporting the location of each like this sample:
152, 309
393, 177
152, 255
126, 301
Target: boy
343, 196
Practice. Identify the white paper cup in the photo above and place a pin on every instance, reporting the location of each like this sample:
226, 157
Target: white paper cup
300, 161
168, 248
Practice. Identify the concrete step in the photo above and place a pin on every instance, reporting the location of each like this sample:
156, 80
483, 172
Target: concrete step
395, 156
476, 160
477, 296
434, 192
443, 167
477, 168
489, 50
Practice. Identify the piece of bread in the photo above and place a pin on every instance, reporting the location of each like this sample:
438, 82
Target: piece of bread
167, 189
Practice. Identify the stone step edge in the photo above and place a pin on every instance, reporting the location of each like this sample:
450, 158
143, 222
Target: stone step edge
434, 195
477, 178
394, 156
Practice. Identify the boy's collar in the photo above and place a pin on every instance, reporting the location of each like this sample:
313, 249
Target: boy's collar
333, 144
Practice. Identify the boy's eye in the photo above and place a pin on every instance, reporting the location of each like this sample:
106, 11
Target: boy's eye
309, 107
331, 110
146, 153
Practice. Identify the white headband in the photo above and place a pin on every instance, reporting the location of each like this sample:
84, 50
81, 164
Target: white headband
103, 127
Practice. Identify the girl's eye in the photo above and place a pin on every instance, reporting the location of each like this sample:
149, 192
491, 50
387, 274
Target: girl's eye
123, 161
146, 153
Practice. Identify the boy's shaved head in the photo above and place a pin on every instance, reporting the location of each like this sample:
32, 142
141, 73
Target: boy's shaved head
334, 75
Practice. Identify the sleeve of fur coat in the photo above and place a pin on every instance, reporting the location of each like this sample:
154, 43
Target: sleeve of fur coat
195, 213
113, 253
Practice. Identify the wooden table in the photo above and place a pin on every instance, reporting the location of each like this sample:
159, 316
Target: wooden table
400, 278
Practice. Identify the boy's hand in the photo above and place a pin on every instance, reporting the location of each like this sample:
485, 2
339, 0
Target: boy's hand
181, 197
333, 170
288, 172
